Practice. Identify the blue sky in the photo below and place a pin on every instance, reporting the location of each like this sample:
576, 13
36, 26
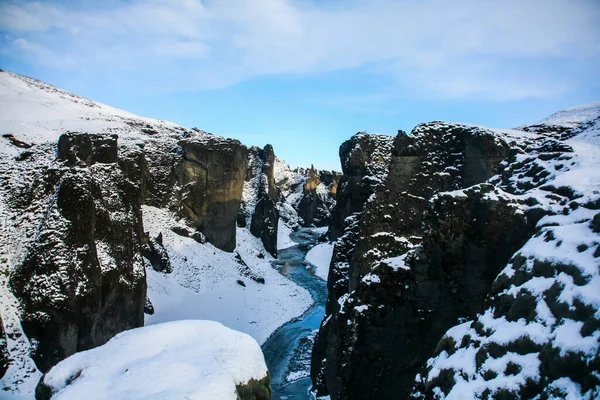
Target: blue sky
304, 75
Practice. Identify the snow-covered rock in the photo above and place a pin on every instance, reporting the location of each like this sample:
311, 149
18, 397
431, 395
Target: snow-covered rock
201, 360
515, 255
320, 257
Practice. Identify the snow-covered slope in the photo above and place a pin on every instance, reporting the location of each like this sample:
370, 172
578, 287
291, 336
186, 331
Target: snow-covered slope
574, 116
201, 360
240, 289
36, 112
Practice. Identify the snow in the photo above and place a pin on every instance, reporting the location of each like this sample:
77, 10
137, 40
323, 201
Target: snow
574, 115
397, 262
178, 360
283, 236
203, 284
320, 256
36, 112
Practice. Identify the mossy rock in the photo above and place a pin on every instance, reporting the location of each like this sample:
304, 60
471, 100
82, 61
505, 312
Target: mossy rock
255, 389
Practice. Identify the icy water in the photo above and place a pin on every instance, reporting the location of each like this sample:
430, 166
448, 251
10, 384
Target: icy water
287, 351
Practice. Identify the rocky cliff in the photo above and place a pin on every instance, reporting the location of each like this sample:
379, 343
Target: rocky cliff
318, 197
425, 254
260, 196
82, 279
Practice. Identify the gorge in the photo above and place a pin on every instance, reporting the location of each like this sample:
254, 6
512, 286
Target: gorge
455, 261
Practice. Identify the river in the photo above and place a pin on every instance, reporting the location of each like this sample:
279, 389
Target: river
287, 351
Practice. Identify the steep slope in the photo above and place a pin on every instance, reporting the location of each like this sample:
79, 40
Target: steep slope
78, 210
422, 259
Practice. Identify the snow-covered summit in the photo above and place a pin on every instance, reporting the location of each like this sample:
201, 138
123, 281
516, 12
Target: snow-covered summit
35, 112
574, 116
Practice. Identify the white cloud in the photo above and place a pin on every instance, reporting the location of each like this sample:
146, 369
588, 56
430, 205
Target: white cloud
449, 49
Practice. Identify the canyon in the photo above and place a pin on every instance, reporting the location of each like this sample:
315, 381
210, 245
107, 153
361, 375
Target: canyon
454, 261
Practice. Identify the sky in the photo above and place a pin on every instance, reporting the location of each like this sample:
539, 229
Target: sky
305, 75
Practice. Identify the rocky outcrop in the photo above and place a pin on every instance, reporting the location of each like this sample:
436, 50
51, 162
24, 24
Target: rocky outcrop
364, 161
259, 205
211, 178
436, 157
430, 250
423, 293
157, 255
318, 197
536, 334
83, 279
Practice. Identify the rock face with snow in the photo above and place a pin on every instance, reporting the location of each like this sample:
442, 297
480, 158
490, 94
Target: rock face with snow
364, 161
427, 255
200, 360
260, 198
82, 279
318, 197
4, 355
307, 196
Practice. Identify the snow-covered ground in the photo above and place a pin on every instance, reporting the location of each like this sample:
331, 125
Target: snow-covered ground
283, 236
201, 360
36, 112
204, 283
320, 257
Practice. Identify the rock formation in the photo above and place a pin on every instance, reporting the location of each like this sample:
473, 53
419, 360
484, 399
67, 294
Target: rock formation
422, 256
4, 355
211, 177
318, 197
364, 161
259, 208
83, 279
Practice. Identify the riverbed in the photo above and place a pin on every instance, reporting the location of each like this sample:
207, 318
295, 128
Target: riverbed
287, 351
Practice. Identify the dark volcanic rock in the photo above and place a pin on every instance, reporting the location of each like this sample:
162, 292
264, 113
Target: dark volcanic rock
260, 198
436, 157
156, 253
89, 149
4, 356
518, 332
364, 161
448, 277
211, 177
318, 197
264, 223
83, 279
